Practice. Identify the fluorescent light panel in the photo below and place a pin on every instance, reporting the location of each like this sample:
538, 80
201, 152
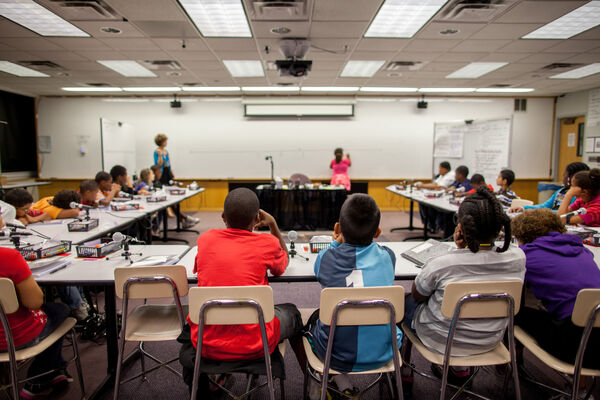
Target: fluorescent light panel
270, 88
211, 88
38, 19
329, 88
403, 18
130, 69
92, 89
571, 24
218, 18
475, 70
446, 90
579, 72
366, 69
152, 89
244, 68
19, 70
504, 90
387, 89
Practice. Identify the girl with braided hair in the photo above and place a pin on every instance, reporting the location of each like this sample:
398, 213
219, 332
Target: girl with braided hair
585, 187
480, 219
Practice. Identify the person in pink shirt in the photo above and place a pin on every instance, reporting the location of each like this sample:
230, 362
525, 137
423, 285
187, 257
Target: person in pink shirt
340, 168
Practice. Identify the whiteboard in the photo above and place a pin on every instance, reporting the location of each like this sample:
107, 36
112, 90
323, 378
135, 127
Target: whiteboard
117, 141
483, 146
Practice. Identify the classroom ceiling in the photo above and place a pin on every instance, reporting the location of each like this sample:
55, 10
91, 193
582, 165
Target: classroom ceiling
151, 31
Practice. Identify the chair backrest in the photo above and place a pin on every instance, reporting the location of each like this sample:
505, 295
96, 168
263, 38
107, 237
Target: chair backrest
587, 300
8, 296
516, 203
151, 290
455, 291
357, 315
232, 315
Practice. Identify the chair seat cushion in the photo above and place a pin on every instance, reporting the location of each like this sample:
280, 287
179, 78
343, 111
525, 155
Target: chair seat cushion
498, 355
33, 351
533, 346
153, 322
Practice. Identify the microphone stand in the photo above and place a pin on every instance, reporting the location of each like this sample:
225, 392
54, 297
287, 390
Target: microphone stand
270, 158
126, 254
293, 252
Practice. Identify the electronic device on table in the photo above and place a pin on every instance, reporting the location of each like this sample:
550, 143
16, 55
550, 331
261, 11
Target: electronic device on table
423, 252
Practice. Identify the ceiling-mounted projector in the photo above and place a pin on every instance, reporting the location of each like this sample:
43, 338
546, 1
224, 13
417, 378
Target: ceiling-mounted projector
294, 49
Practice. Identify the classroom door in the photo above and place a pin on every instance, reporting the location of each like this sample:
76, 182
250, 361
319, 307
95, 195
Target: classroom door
571, 143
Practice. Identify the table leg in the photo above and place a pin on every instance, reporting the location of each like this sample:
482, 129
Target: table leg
425, 235
166, 229
410, 226
179, 229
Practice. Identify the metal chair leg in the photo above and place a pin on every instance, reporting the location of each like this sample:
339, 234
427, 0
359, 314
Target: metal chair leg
143, 362
119, 366
282, 388
14, 379
78, 362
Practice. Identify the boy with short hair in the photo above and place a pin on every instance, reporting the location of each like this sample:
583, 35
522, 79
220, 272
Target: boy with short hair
107, 190
506, 177
461, 174
120, 177
236, 256
354, 260
22, 200
89, 192
156, 183
476, 181
59, 206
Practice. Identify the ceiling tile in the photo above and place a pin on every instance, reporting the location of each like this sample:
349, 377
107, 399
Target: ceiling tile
433, 29
443, 67
191, 55
574, 46
203, 65
460, 57
148, 10
231, 44
130, 44
93, 28
167, 29
421, 56
147, 55
505, 31
345, 10
586, 58
262, 29
338, 29
238, 55
177, 44
17, 56
373, 44
426, 45
593, 33
31, 44
545, 58
539, 11
76, 44
11, 29
527, 45
58, 56
373, 55
472, 45
102, 55
328, 65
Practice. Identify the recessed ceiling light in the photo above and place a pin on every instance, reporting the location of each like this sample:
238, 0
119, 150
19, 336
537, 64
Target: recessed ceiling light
270, 88
110, 29
173, 73
152, 89
579, 72
449, 31
504, 90
19, 70
387, 89
329, 88
446, 90
218, 18
367, 69
38, 19
475, 70
211, 89
244, 68
579, 20
403, 18
281, 30
128, 68
92, 89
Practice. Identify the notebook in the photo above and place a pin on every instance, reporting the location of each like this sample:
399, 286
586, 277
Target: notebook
423, 252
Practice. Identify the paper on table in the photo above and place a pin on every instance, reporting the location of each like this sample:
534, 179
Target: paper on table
421, 248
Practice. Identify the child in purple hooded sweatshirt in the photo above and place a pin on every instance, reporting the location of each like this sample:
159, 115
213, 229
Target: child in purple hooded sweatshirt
557, 267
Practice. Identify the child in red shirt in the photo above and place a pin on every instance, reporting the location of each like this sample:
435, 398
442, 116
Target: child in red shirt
585, 186
236, 256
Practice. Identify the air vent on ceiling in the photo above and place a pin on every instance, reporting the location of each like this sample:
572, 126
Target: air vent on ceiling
162, 65
558, 66
473, 10
279, 10
41, 65
500, 85
404, 65
82, 10
98, 84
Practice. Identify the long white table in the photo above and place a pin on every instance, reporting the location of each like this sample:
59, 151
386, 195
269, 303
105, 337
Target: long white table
109, 221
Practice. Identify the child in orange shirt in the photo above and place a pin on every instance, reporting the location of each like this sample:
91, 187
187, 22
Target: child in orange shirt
22, 200
59, 206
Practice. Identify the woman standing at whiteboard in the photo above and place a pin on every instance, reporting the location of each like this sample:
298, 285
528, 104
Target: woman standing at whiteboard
340, 165
161, 158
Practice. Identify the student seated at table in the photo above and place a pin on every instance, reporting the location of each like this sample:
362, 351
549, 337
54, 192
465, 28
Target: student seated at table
107, 190
59, 206
558, 266
145, 182
442, 180
157, 171
506, 177
556, 199
32, 322
236, 256
585, 187
476, 181
120, 177
480, 220
462, 182
354, 254
89, 193
22, 200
